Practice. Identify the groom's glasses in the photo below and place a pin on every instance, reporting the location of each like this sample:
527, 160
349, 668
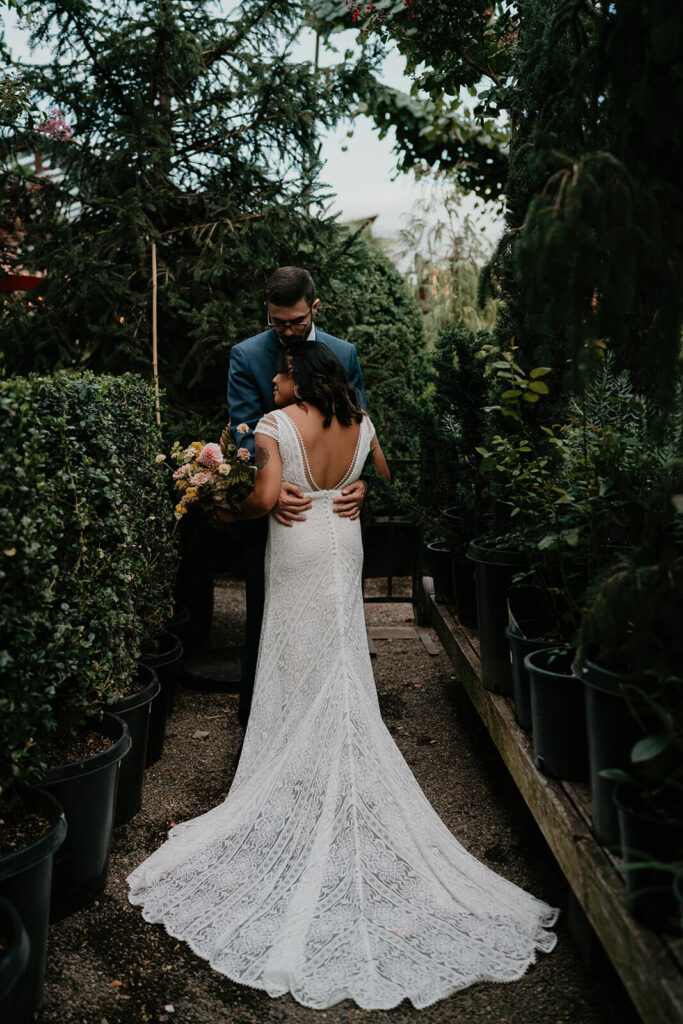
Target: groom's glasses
296, 324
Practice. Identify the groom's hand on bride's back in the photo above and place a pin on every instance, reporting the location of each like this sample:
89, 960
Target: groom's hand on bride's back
351, 501
291, 504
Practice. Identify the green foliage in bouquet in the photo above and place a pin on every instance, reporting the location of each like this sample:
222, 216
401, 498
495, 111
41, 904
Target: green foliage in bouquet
87, 558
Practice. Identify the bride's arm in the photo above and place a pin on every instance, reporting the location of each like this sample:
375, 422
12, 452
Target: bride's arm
266, 483
379, 459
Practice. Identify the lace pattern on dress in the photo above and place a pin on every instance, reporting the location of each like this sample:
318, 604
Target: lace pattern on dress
268, 425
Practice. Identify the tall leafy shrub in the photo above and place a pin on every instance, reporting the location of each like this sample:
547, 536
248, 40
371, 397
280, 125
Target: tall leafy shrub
87, 558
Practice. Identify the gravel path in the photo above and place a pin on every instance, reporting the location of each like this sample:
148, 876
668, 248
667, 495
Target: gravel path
107, 966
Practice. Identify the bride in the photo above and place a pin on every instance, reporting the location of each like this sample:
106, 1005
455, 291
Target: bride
326, 872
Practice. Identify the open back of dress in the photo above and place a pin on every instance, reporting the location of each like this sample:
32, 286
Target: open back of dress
326, 872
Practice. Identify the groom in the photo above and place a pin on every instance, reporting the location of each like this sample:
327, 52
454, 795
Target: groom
291, 305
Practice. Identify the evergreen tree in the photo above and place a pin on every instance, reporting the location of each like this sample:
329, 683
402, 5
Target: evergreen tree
193, 131
601, 250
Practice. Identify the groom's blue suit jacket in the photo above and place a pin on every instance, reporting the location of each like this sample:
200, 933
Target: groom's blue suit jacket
253, 364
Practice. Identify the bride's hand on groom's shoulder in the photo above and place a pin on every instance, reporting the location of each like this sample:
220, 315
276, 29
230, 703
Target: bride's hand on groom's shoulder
291, 504
351, 501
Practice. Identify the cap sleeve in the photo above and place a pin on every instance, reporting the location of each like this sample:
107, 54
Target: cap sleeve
370, 428
269, 426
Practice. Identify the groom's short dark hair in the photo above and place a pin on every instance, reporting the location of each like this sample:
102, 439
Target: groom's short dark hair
289, 284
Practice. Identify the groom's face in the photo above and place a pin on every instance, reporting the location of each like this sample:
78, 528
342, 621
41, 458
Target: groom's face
292, 323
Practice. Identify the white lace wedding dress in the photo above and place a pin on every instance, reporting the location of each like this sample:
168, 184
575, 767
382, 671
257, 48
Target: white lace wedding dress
325, 872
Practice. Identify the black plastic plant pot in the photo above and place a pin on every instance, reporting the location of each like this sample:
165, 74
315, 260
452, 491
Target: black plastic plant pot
178, 622
86, 790
612, 733
26, 881
494, 570
14, 961
465, 594
678, 895
438, 563
558, 715
522, 640
390, 547
135, 711
645, 837
166, 663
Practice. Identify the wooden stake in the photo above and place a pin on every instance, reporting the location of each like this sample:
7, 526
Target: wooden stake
155, 362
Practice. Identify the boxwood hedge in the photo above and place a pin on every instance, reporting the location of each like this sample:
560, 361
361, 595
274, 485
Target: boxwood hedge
87, 553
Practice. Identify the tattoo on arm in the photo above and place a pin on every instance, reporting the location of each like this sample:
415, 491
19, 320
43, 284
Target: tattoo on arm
261, 456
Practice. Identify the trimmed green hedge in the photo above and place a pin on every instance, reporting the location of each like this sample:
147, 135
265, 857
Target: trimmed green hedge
87, 556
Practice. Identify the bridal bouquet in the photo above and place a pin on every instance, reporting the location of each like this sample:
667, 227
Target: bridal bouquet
212, 475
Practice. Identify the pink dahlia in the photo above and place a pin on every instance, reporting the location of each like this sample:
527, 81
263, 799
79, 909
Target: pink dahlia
211, 455
199, 479
243, 454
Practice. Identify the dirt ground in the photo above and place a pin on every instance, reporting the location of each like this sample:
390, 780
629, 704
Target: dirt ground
107, 966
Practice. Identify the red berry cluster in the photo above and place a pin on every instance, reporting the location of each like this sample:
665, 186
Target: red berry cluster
360, 12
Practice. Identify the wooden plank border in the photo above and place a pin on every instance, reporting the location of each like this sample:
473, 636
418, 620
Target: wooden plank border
645, 961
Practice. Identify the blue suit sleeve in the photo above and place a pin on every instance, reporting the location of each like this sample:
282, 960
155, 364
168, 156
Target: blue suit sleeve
356, 377
244, 404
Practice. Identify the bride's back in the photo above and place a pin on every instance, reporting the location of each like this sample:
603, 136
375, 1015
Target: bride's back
329, 451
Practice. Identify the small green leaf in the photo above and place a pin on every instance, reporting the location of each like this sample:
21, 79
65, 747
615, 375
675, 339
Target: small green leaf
511, 393
540, 371
529, 396
615, 774
650, 747
539, 386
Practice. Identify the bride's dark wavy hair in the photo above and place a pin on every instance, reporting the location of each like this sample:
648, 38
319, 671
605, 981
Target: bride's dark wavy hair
321, 379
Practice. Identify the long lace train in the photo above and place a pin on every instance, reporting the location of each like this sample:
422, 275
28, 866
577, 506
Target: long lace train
326, 872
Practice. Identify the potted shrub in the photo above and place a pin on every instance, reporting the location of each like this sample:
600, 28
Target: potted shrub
576, 490
524, 637
632, 653
391, 537
520, 466
450, 420
558, 723
35, 828
74, 543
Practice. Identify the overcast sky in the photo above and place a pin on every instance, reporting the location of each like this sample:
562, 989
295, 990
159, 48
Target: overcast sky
363, 173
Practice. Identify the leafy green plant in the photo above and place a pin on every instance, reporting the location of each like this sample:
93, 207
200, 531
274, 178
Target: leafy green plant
87, 556
449, 417
574, 491
632, 627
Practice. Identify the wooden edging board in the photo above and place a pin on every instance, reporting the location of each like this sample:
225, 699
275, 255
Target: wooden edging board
650, 965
